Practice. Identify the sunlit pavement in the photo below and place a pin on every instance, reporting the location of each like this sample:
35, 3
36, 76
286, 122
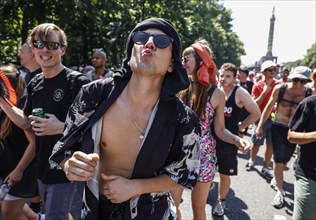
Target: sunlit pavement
250, 195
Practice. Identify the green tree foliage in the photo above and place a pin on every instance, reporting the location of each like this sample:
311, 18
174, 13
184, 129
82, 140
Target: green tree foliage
106, 24
310, 58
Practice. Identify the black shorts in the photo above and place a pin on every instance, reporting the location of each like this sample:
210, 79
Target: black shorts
282, 148
227, 163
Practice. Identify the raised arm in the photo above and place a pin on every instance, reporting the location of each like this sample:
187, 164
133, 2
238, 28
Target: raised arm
261, 96
15, 114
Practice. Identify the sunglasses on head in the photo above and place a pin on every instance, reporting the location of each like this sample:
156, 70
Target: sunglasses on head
49, 45
272, 70
160, 40
302, 81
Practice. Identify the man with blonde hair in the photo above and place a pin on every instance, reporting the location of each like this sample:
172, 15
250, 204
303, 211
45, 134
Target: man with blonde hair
53, 91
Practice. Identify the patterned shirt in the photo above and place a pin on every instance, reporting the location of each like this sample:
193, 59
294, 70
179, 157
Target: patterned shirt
174, 135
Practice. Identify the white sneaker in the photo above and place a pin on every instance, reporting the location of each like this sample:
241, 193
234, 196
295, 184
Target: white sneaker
219, 209
250, 165
273, 184
278, 200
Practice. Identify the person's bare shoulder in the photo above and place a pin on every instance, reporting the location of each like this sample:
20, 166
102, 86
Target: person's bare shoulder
243, 97
218, 96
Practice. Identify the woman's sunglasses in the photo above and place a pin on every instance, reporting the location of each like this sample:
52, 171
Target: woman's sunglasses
160, 40
49, 45
302, 81
186, 59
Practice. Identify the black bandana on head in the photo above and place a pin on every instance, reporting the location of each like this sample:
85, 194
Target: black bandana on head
175, 81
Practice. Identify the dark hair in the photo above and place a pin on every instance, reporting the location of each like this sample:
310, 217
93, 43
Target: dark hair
244, 70
230, 67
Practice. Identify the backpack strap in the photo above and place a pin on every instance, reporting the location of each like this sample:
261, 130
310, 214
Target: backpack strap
309, 92
71, 78
281, 93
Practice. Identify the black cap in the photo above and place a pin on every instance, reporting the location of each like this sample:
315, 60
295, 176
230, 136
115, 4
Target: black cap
243, 69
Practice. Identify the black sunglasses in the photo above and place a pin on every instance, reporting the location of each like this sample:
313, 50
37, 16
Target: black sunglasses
186, 59
271, 70
160, 40
302, 81
49, 45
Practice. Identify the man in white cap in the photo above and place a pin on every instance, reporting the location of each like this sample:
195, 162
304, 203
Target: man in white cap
286, 97
261, 93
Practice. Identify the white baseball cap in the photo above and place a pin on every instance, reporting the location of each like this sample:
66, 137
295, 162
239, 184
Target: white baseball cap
266, 64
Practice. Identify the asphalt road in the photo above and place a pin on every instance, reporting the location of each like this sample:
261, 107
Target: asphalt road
250, 194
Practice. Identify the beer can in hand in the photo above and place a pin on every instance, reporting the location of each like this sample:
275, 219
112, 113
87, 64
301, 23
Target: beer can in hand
39, 112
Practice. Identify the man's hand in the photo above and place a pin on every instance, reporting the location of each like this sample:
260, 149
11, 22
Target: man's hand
13, 178
46, 126
243, 145
266, 88
259, 132
80, 166
117, 189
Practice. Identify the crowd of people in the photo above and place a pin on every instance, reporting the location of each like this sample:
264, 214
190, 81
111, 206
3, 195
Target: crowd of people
165, 121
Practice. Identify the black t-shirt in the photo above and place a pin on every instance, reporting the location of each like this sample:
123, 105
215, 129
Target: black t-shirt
304, 120
232, 115
247, 85
55, 96
30, 76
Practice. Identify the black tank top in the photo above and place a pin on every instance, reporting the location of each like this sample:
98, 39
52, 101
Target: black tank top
232, 116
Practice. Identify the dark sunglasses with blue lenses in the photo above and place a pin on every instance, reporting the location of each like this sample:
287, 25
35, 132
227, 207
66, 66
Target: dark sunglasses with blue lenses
49, 45
160, 40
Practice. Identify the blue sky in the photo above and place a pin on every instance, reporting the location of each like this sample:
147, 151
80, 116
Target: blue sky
294, 30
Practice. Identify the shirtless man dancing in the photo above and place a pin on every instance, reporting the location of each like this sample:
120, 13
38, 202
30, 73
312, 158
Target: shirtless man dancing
287, 101
129, 137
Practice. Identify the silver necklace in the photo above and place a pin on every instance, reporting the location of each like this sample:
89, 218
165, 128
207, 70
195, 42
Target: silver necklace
142, 132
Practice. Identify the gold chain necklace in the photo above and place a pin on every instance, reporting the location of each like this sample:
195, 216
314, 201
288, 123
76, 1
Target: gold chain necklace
142, 132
